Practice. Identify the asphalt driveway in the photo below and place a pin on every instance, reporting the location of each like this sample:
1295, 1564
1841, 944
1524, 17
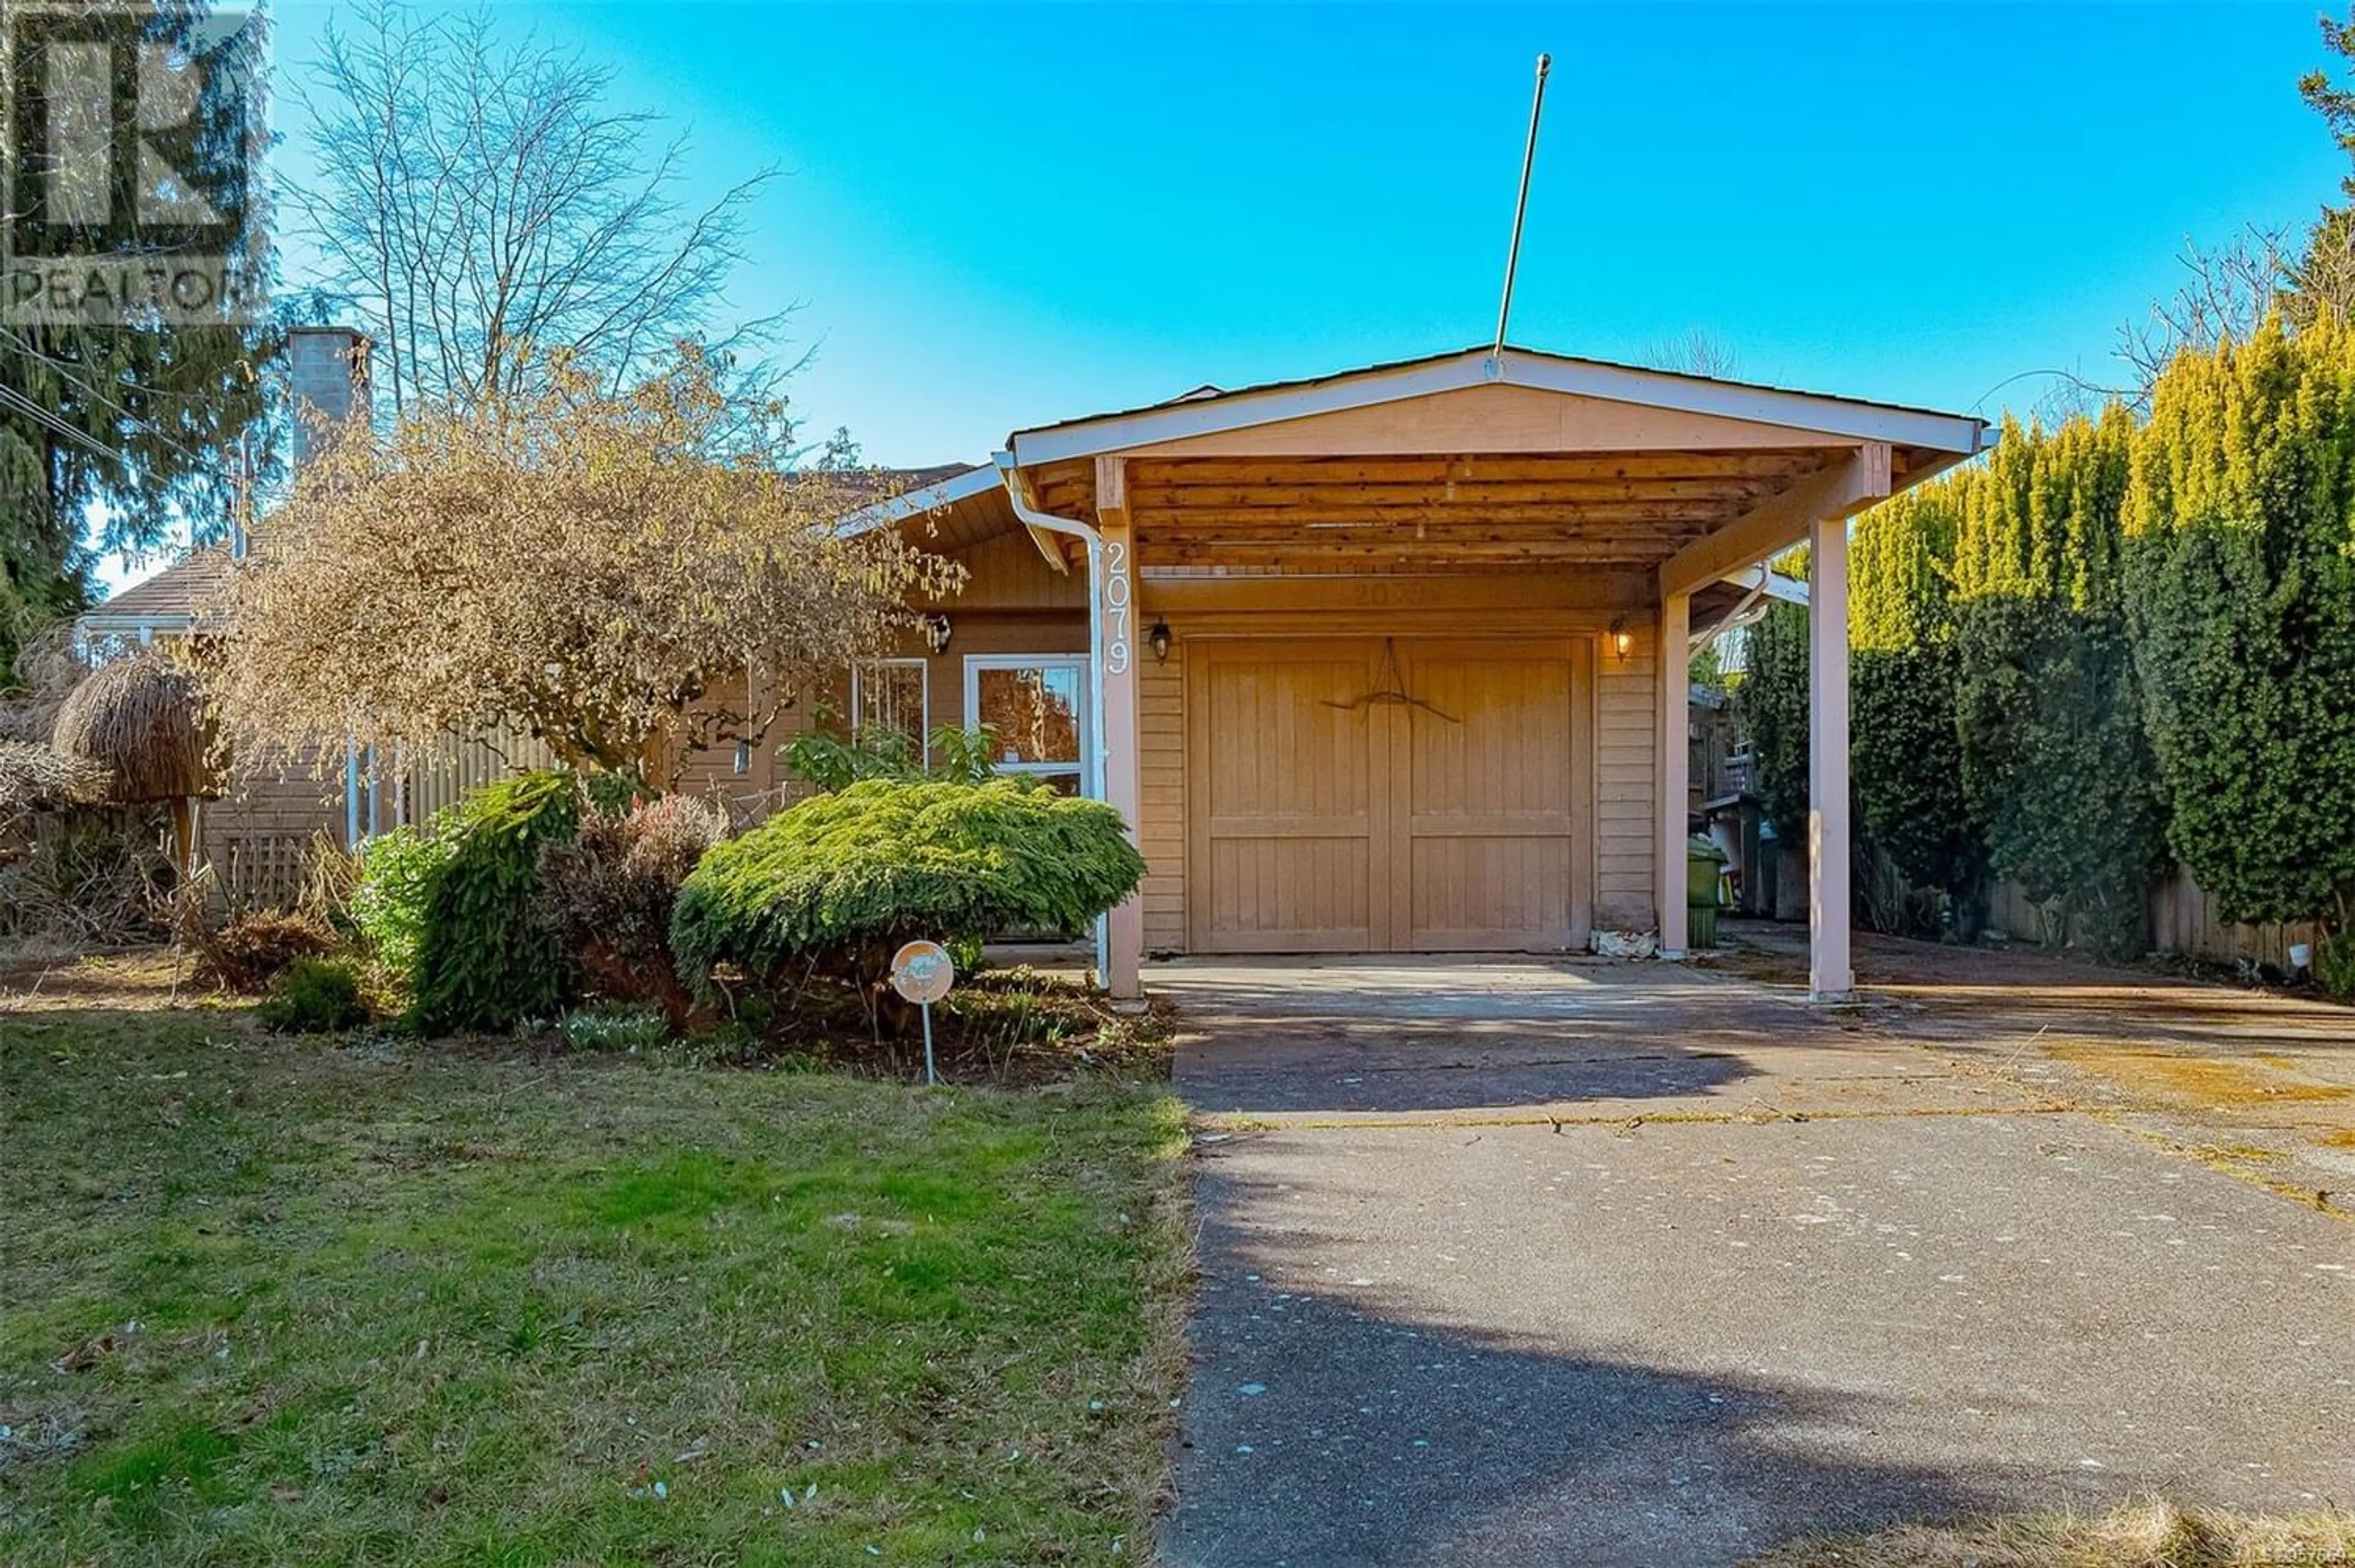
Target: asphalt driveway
1529, 1262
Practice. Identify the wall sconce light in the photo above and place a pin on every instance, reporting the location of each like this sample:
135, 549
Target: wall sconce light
744, 758
1160, 638
936, 633
1622, 642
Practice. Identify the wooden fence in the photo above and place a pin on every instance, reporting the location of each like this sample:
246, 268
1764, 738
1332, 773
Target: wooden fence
2183, 919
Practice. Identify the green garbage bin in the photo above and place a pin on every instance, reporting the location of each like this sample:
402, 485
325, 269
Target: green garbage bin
1704, 869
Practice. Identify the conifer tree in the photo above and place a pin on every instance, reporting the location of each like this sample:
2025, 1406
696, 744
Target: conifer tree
2240, 585
1905, 764
1771, 710
2054, 759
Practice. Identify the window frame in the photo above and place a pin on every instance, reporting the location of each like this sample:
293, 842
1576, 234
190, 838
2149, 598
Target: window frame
1083, 725
923, 668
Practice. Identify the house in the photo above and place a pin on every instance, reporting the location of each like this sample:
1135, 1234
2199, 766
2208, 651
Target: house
1390, 660
1395, 659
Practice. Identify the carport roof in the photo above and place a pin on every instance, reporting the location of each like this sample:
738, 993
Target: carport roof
1206, 410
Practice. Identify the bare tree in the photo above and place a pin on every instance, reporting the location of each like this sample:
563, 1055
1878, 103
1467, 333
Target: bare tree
481, 210
1699, 352
2226, 293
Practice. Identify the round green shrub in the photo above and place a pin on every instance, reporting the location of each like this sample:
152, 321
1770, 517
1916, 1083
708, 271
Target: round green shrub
488, 957
397, 874
314, 996
839, 880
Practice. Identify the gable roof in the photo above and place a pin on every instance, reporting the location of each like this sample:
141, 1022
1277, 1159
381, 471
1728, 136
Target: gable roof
1205, 412
169, 600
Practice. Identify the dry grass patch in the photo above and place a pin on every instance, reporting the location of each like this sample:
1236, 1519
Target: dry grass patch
2192, 1080
2149, 1534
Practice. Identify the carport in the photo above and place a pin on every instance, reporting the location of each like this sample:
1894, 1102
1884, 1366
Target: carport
1394, 660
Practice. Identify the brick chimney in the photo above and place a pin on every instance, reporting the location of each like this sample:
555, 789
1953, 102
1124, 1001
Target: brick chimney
329, 368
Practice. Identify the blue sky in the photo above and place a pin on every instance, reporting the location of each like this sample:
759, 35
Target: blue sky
995, 218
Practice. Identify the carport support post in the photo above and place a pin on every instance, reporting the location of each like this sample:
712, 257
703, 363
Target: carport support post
1829, 976
1673, 702
1125, 927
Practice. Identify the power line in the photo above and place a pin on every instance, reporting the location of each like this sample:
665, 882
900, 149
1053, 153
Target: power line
144, 425
12, 399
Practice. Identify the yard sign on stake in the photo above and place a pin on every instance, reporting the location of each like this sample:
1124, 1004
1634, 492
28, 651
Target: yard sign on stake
922, 974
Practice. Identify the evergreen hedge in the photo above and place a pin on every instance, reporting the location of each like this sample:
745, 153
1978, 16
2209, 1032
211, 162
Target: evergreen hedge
1905, 750
2240, 525
2054, 759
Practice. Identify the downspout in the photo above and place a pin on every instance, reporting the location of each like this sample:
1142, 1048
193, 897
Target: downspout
1073, 528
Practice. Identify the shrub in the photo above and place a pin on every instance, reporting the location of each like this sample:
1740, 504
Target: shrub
2054, 761
1769, 706
830, 763
314, 996
487, 958
2334, 965
398, 871
608, 892
253, 948
838, 880
632, 1030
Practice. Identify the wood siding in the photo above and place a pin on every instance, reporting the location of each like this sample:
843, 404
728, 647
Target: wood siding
1161, 797
1307, 818
1610, 715
1627, 789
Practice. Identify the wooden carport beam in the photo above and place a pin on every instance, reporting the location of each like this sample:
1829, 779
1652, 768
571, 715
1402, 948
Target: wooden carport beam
1050, 545
1841, 489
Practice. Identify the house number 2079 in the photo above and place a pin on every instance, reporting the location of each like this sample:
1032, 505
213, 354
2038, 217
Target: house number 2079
1115, 599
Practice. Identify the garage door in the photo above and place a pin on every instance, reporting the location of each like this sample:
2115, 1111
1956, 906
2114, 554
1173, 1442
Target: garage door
1369, 796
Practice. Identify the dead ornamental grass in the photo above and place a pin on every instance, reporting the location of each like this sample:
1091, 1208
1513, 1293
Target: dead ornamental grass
142, 720
2151, 1533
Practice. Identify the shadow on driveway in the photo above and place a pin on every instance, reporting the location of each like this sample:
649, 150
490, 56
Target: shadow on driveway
1415, 1034
1374, 1442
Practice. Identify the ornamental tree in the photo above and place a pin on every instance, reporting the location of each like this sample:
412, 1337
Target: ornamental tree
2240, 586
626, 577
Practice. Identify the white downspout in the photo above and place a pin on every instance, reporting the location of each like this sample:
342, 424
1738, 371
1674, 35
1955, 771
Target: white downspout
1031, 516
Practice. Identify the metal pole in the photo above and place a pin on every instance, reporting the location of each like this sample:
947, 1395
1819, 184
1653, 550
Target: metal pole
1520, 207
931, 1075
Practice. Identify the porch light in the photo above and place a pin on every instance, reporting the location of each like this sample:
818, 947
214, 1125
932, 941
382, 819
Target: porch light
1160, 638
936, 633
1622, 642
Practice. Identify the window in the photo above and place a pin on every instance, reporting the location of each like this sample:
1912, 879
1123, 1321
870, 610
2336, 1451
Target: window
1036, 704
892, 694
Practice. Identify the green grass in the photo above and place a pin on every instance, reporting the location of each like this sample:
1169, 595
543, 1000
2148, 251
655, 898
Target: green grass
396, 1303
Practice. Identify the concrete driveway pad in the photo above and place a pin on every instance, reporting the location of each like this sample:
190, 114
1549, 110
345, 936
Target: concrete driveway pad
1443, 1321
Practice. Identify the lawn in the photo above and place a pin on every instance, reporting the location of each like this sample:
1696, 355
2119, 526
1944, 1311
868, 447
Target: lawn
275, 1300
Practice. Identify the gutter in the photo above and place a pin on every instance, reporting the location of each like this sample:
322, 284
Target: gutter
1011, 477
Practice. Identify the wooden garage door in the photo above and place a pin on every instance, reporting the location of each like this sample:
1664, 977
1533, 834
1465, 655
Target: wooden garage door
1327, 815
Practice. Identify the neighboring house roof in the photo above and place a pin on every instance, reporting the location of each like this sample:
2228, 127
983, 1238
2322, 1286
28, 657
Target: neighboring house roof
170, 601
